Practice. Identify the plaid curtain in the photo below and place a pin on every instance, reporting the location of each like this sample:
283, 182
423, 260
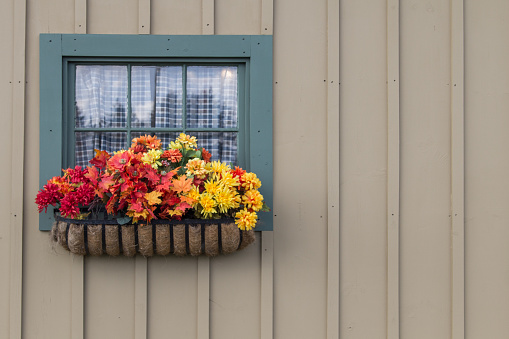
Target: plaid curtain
101, 102
212, 102
156, 96
156, 101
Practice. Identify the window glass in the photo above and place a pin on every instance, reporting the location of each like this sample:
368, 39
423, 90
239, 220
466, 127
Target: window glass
211, 97
101, 96
86, 142
115, 103
156, 96
222, 145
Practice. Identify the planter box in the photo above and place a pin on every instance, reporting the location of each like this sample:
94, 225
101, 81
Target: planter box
162, 237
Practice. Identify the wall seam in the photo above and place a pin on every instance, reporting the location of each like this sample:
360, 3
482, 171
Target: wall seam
78, 262
267, 250
203, 288
333, 169
457, 171
393, 170
17, 169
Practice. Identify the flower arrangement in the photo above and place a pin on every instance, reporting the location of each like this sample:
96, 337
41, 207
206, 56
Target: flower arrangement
147, 182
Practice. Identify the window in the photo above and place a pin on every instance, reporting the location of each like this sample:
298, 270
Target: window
109, 104
99, 91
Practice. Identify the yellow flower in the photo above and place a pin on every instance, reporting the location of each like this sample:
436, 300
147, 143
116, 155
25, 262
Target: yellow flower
245, 220
152, 157
216, 168
253, 199
208, 204
194, 194
228, 180
250, 181
212, 187
226, 199
197, 168
184, 141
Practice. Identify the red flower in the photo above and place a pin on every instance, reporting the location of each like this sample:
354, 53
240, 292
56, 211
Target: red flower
49, 195
76, 175
139, 149
238, 172
119, 161
69, 206
100, 159
85, 194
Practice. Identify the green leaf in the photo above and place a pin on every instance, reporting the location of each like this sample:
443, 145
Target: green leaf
123, 220
265, 208
194, 154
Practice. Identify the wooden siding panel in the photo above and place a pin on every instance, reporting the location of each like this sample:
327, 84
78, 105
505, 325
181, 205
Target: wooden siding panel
112, 16
425, 223
300, 172
176, 17
109, 297
487, 168
172, 306
238, 17
6, 90
235, 294
46, 270
363, 169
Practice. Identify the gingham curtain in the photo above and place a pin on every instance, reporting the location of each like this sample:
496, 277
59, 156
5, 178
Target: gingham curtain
101, 102
156, 101
212, 103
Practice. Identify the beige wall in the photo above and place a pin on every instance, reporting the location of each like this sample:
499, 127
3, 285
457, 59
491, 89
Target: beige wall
416, 247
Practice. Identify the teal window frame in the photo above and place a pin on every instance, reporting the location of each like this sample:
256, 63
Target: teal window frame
56, 50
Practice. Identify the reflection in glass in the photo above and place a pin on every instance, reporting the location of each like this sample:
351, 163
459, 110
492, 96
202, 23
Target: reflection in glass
212, 98
156, 96
101, 96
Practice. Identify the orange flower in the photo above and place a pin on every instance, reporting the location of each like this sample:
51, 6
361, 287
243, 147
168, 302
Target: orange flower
205, 155
172, 155
148, 141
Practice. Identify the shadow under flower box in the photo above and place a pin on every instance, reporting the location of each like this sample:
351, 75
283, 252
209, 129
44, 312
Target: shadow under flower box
159, 237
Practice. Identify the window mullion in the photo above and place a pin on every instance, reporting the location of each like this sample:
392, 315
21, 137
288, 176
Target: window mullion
184, 97
129, 107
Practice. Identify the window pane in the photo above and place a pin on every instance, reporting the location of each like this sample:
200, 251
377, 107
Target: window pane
101, 96
86, 142
166, 138
222, 145
156, 96
211, 97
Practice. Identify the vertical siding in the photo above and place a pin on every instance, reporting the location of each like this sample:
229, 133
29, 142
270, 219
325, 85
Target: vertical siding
363, 169
47, 270
67, 297
238, 17
176, 17
300, 191
6, 97
172, 286
112, 16
487, 165
425, 170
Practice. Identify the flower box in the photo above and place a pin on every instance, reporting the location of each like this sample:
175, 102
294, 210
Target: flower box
178, 237
151, 201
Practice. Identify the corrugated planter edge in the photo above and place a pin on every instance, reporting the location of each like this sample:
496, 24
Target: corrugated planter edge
160, 237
